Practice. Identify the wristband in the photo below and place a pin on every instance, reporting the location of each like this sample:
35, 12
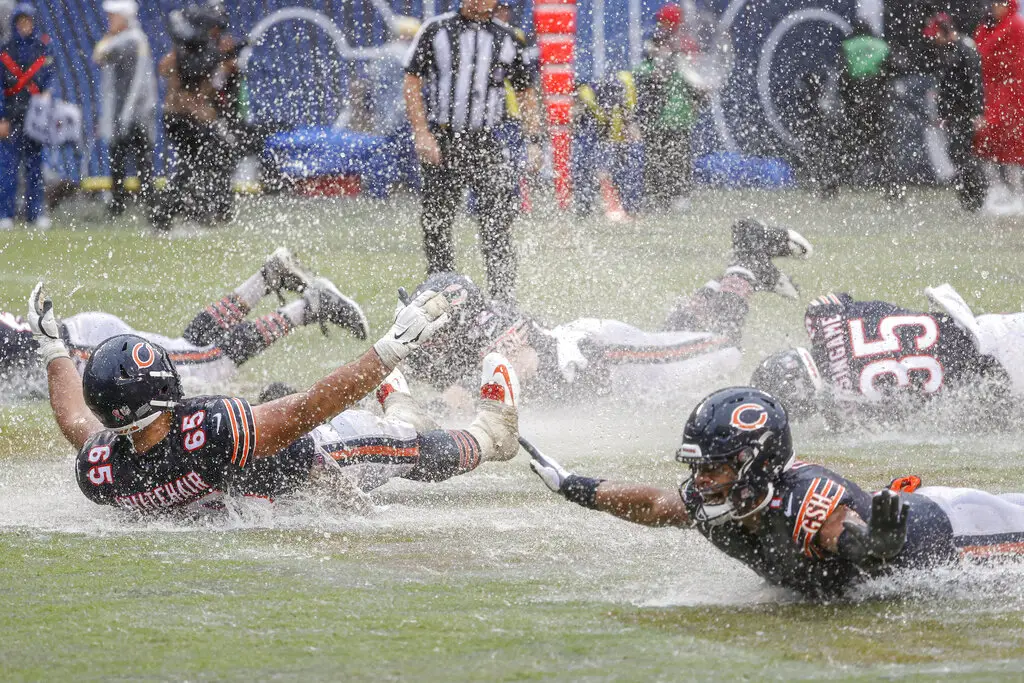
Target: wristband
581, 490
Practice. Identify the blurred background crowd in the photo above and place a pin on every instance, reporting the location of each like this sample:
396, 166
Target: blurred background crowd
622, 107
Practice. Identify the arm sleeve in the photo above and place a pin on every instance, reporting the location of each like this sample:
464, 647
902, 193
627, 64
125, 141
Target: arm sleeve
813, 502
231, 430
420, 56
523, 73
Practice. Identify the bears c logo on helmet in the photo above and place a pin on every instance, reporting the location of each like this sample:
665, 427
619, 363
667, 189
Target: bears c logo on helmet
147, 356
752, 410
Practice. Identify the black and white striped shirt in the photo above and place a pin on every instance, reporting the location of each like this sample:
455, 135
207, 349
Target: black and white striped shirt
464, 65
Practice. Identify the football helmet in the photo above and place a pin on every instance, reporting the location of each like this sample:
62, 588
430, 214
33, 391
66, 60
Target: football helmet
747, 429
792, 376
465, 297
128, 382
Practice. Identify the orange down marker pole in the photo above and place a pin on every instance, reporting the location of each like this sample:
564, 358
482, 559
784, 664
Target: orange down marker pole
555, 23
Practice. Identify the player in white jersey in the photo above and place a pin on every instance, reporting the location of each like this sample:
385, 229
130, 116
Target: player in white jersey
698, 345
218, 340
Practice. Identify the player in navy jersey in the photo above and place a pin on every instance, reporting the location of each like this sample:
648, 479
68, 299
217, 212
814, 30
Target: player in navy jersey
142, 446
876, 360
218, 340
798, 525
699, 342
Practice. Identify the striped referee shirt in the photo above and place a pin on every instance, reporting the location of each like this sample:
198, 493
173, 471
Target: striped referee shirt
464, 65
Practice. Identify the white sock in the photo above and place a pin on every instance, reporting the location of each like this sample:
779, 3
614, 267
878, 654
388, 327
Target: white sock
496, 429
403, 407
295, 311
252, 291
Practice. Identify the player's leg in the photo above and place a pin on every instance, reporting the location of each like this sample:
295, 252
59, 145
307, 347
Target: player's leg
493, 436
721, 305
983, 524
119, 147
281, 271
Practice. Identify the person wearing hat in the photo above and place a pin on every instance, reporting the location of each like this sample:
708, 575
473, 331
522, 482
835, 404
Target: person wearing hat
26, 68
667, 106
128, 99
957, 69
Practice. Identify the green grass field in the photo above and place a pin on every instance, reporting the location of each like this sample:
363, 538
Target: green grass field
489, 576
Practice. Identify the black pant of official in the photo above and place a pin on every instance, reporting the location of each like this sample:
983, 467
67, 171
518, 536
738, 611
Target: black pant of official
970, 182
135, 144
668, 166
200, 187
477, 161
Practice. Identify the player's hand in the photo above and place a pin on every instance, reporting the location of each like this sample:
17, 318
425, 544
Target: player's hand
44, 326
427, 148
551, 473
883, 537
414, 324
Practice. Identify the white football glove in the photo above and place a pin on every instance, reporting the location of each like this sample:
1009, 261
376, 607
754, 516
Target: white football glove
548, 469
45, 329
414, 324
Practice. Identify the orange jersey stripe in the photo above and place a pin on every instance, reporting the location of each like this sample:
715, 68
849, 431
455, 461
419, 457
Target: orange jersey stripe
666, 353
389, 451
195, 356
244, 423
234, 429
1009, 548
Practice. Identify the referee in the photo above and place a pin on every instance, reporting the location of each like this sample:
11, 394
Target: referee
455, 76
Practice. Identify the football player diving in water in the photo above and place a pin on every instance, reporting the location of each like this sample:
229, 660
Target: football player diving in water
873, 361
798, 525
699, 342
214, 344
142, 446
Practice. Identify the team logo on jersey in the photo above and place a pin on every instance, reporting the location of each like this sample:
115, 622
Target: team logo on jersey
143, 355
749, 416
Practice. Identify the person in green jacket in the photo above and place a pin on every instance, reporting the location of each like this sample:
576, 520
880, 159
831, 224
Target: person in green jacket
865, 90
669, 96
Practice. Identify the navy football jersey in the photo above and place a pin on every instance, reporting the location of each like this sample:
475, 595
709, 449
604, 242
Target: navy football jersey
876, 350
783, 550
208, 451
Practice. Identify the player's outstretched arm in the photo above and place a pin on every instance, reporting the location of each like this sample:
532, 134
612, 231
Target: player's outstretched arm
73, 416
279, 423
647, 505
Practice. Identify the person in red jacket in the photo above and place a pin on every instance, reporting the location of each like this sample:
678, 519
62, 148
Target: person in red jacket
1000, 41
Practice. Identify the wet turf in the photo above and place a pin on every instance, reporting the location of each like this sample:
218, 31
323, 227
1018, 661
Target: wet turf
489, 577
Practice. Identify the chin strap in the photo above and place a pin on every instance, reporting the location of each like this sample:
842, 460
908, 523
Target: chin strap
139, 425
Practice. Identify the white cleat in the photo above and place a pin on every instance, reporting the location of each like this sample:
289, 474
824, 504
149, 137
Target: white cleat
393, 383
6, 224
499, 381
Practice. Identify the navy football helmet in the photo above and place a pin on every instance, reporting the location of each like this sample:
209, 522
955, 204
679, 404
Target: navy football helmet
793, 377
747, 429
129, 381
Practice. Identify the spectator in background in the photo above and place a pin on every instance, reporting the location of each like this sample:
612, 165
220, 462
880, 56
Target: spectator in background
958, 71
1000, 41
128, 96
866, 93
26, 66
196, 188
669, 94
605, 155
462, 60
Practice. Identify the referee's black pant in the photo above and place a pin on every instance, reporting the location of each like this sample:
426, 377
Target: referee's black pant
472, 159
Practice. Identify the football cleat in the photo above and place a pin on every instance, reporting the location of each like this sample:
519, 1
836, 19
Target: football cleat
325, 304
753, 240
765, 277
282, 271
498, 381
393, 383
